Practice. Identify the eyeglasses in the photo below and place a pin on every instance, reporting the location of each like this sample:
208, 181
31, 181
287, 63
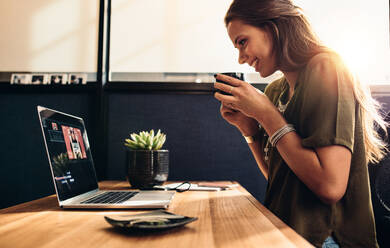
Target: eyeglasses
179, 187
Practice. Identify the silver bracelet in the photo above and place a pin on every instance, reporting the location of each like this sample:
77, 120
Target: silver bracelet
280, 133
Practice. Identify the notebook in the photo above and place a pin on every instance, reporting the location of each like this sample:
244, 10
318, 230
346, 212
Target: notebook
73, 172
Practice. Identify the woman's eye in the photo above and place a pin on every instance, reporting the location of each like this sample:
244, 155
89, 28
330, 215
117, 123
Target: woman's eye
242, 42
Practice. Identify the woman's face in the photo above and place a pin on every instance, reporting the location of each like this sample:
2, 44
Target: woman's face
254, 46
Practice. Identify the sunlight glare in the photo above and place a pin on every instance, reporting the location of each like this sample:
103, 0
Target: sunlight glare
356, 57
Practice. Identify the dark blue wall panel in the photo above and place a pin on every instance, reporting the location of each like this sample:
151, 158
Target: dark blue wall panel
202, 145
24, 169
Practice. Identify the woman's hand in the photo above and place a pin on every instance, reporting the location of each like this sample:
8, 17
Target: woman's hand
247, 126
244, 98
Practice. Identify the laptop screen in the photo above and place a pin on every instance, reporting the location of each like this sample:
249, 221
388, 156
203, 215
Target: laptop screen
69, 153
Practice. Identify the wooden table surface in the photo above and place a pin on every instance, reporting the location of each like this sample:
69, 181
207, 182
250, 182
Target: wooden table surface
230, 218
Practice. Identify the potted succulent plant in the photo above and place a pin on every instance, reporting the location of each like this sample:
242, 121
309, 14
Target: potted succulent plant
146, 163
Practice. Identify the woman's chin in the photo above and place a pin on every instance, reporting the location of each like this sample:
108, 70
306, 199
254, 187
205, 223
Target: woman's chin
265, 74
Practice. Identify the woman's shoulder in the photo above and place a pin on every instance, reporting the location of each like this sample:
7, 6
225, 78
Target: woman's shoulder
325, 62
326, 76
325, 68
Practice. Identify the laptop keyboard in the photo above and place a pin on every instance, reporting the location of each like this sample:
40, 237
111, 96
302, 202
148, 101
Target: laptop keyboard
110, 197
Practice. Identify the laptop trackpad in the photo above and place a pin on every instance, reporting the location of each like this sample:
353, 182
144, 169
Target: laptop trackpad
153, 196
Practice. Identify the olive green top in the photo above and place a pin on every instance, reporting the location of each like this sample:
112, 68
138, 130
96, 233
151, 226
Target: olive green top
324, 112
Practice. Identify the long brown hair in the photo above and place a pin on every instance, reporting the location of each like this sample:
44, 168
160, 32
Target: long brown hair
294, 44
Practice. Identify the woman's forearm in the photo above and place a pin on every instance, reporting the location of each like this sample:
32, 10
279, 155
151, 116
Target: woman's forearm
259, 157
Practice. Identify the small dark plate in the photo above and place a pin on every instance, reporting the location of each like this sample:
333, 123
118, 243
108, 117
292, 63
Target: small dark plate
169, 220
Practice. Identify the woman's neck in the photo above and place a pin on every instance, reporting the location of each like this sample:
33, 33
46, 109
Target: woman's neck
291, 77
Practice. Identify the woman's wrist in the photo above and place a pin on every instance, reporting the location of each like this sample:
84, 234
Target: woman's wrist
271, 121
250, 130
252, 138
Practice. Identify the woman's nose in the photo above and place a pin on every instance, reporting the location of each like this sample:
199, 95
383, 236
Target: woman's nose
242, 58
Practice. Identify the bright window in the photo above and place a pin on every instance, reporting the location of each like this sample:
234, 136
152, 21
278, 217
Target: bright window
149, 37
41, 35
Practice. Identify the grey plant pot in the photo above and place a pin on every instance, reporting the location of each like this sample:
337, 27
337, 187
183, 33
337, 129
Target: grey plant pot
146, 168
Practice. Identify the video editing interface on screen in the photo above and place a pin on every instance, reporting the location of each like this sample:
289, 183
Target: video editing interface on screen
70, 155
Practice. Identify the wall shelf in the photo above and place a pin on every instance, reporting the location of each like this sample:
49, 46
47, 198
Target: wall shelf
18, 88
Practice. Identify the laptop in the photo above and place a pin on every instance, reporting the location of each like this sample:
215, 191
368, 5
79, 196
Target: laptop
73, 172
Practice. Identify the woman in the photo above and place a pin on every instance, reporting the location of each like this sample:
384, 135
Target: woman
316, 132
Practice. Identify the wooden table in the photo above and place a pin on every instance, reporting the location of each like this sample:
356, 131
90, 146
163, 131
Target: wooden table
231, 218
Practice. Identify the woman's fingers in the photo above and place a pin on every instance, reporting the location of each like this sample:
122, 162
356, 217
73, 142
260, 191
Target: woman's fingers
227, 109
224, 98
228, 114
225, 88
226, 84
229, 80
